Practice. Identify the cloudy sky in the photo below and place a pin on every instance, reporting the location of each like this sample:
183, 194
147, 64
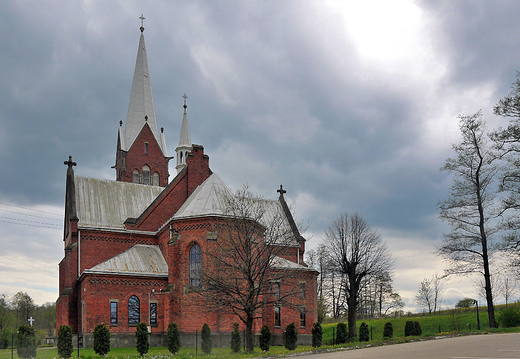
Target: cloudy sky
351, 105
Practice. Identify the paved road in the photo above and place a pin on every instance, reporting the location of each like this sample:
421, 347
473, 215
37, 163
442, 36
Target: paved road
490, 346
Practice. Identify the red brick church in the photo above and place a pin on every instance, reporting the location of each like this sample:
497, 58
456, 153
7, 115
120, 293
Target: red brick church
136, 247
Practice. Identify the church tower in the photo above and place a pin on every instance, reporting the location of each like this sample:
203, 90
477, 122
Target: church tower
184, 146
141, 155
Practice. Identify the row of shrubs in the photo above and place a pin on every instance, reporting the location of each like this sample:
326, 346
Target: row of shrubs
411, 329
102, 339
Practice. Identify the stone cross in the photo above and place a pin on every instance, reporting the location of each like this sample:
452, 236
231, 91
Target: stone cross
69, 162
281, 191
31, 320
142, 22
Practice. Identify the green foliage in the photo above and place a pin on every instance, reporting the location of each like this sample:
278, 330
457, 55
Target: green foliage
364, 335
235, 338
101, 339
291, 336
206, 339
174, 338
5, 338
265, 338
388, 331
141, 334
317, 335
509, 317
412, 328
26, 342
65, 341
465, 303
341, 333
417, 329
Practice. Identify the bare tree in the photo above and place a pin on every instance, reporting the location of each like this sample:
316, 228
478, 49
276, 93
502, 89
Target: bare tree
357, 252
244, 263
318, 260
470, 209
429, 294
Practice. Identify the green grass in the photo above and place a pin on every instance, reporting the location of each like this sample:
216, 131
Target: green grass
443, 323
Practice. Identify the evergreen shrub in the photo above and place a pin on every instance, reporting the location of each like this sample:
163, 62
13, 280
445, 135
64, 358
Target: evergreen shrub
174, 338
101, 339
417, 329
291, 336
317, 335
509, 317
265, 338
141, 335
341, 333
65, 341
409, 328
26, 342
388, 331
205, 335
364, 335
235, 338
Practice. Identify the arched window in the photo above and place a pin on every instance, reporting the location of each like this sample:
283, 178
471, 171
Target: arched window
155, 179
146, 174
180, 158
136, 176
133, 310
195, 266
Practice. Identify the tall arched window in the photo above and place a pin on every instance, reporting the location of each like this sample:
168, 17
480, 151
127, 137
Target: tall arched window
146, 174
136, 176
155, 179
195, 266
133, 310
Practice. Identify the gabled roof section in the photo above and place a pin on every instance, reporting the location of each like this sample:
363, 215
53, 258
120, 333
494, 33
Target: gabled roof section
282, 263
206, 200
107, 204
141, 103
144, 260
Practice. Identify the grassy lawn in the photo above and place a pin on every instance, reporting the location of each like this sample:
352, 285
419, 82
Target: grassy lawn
443, 323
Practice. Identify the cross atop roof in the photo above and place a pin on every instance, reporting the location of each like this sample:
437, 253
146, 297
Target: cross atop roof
70, 163
281, 191
142, 22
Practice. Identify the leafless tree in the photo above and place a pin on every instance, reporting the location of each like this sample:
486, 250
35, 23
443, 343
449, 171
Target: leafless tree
429, 294
244, 264
357, 252
470, 209
318, 260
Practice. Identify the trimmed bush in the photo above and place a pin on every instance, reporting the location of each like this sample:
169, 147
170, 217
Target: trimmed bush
341, 333
291, 336
408, 328
205, 335
65, 341
364, 334
265, 338
235, 338
509, 317
388, 331
26, 342
417, 329
174, 338
317, 335
141, 335
101, 339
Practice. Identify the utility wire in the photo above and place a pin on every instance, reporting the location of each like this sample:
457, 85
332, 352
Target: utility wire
32, 215
32, 225
31, 209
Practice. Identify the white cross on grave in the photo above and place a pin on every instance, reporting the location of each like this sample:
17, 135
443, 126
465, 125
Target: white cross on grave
31, 320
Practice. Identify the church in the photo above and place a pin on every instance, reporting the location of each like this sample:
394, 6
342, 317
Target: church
136, 249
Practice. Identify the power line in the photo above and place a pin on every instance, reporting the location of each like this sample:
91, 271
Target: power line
30, 209
32, 225
29, 221
32, 215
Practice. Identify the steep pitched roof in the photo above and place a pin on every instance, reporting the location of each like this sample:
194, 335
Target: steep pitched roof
144, 260
107, 204
141, 104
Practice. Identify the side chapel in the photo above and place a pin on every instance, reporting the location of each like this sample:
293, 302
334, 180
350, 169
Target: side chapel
134, 247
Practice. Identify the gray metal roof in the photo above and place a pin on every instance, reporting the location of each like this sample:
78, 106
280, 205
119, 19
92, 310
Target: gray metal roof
145, 260
107, 204
282, 263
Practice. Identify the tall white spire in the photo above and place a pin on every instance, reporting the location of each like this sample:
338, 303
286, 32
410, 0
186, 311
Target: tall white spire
141, 108
184, 140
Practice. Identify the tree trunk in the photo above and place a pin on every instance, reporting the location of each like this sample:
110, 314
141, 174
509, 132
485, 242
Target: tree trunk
249, 334
351, 317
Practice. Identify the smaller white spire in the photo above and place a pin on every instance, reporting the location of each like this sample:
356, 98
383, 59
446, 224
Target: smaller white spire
184, 141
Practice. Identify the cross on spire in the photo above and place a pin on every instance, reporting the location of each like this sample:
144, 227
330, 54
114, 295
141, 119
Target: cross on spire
281, 191
142, 22
70, 163
185, 98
